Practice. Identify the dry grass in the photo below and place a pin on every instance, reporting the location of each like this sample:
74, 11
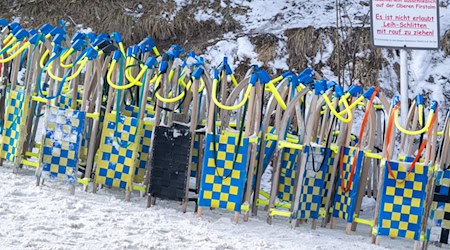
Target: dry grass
109, 16
265, 46
305, 44
446, 42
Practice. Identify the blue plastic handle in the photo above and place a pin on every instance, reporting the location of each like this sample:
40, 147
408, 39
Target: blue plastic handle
369, 93
201, 61
143, 48
253, 79
263, 76
434, 105
117, 55
198, 72
149, 42
58, 39
163, 66
320, 87
57, 50
129, 51
135, 50
3, 22
355, 90
92, 54
45, 29
16, 29
35, 39
79, 44
33, 32
117, 37
395, 101
419, 100
78, 36
175, 51
287, 74
331, 84
151, 62
91, 36
216, 74
21, 34
57, 30
306, 76
103, 36
338, 91
13, 25
228, 70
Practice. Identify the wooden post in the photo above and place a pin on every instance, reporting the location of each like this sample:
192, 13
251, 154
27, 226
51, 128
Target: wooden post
192, 128
265, 126
282, 125
209, 127
386, 148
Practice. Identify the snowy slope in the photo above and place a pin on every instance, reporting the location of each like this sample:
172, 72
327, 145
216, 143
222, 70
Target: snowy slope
429, 74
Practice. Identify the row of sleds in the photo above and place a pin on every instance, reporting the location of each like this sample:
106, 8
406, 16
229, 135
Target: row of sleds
88, 111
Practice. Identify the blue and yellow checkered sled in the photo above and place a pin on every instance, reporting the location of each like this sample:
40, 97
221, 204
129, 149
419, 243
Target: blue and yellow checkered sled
347, 187
402, 203
60, 151
120, 142
316, 176
315, 179
287, 176
195, 155
224, 174
145, 141
440, 212
65, 101
15, 116
117, 153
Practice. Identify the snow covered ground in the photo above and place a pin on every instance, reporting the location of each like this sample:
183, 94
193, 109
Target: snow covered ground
48, 217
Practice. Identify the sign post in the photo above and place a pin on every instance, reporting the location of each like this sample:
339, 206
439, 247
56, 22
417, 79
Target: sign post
405, 24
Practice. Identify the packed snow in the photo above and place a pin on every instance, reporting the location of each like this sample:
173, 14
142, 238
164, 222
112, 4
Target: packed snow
48, 217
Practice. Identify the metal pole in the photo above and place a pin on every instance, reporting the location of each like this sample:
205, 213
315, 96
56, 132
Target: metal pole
404, 85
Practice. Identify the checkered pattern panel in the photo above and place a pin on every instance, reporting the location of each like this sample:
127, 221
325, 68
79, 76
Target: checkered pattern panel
344, 202
223, 178
65, 101
441, 200
314, 180
269, 149
117, 154
401, 205
287, 176
133, 111
14, 115
328, 176
63, 131
194, 165
144, 148
146, 139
